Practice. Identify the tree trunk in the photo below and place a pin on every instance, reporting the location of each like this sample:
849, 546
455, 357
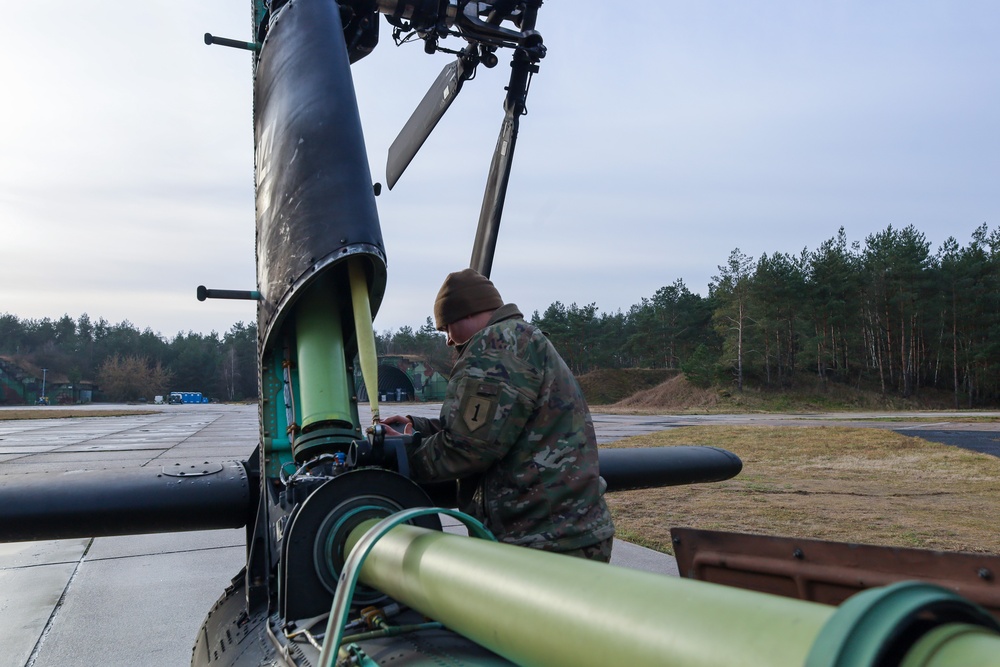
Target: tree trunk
954, 347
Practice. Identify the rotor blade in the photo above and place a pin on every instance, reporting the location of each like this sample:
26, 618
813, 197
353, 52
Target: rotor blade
427, 114
496, 192
521, 68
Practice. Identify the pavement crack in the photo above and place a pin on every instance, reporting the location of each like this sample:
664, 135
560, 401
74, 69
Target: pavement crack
167, 553
58, 606
29, 566
159, 456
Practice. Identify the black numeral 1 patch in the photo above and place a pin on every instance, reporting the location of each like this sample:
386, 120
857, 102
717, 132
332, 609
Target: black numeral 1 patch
479, 406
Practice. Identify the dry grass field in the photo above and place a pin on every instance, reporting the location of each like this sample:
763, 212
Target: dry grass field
868, 486
64, 413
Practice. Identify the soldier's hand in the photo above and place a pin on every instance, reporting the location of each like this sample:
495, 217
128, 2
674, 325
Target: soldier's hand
397, 425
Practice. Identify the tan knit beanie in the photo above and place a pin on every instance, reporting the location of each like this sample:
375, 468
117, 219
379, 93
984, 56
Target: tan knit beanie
464, 293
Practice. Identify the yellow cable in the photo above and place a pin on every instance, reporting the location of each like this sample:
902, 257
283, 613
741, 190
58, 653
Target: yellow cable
365, 332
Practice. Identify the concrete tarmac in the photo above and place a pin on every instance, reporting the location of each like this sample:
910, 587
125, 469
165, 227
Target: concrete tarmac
140, 600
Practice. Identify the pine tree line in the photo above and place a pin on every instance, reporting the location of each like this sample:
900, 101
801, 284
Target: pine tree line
128, 364
888, 315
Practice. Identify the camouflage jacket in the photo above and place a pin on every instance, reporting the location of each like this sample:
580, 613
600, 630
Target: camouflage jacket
516, 431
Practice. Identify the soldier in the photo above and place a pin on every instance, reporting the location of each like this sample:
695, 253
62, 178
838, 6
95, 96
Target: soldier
514, 429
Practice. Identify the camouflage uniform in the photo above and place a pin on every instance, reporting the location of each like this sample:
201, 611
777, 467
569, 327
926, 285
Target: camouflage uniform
516, 430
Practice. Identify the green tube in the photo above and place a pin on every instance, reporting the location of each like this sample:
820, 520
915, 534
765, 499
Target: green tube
953, 645
868, 623
537, 608
322, 367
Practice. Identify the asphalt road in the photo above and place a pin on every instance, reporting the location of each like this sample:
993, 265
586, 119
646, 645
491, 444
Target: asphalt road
139, 600
985, 442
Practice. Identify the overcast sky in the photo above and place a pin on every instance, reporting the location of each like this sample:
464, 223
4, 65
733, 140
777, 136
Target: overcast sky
659, 137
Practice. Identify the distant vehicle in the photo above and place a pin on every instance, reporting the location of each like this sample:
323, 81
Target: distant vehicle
179, 397
42, 400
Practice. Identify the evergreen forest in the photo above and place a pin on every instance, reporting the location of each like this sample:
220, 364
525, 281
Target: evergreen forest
888, 315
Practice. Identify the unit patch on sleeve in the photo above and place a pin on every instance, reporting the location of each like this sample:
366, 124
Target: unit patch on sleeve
479, 405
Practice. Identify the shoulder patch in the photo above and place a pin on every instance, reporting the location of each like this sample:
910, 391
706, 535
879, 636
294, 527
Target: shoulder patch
479, 405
